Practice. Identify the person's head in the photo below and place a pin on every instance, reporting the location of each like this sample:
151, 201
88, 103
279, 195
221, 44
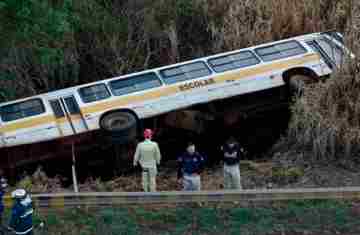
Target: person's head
190, 148
19, 194
148, 133
231, 142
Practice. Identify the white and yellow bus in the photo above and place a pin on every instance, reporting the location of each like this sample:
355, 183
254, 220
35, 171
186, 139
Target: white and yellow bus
116, 104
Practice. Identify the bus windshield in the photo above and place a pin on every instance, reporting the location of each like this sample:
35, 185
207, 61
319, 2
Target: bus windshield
335, 52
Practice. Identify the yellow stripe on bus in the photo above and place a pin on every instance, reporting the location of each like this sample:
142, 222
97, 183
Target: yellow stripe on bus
161, 92
36, 122
27, 123
123, 101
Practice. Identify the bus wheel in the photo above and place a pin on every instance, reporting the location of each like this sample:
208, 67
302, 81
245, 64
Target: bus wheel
120, 126
297, 84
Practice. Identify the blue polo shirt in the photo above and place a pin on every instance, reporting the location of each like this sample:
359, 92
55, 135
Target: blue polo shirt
190, 164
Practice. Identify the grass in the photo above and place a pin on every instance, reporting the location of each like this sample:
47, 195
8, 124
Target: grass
313, 216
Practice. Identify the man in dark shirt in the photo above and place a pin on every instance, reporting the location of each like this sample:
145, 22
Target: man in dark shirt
191, 164
231, 155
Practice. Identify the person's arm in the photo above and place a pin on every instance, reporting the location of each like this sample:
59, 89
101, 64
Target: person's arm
222, 153
14, 218
202, 163
241, 152
180, 172
137, 155
157, 154
1, 201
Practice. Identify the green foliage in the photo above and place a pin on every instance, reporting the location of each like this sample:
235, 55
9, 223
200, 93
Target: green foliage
293, 216
37, 20
287, 174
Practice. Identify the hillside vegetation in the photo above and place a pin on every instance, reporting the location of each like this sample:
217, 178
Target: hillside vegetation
47, 45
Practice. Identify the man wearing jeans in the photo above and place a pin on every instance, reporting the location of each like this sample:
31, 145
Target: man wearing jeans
148, 155
190, 163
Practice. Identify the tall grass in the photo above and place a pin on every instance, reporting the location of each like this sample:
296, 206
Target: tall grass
326, 119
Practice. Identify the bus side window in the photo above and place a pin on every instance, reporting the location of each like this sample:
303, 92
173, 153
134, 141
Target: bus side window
22, 109
136, 83
280, 51
233, 61
94, 93
185, 72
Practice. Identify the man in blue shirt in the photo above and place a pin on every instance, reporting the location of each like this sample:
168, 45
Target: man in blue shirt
190, 165
21, 213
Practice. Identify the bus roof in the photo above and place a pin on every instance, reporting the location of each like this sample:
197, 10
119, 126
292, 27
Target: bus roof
75, 88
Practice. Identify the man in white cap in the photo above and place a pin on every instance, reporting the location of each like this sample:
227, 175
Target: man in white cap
148, 155
21, 213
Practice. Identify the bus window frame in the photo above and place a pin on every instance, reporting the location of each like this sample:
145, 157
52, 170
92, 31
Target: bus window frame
133, 78
43, 107
79, 91
259, 61
279, 51
164, 78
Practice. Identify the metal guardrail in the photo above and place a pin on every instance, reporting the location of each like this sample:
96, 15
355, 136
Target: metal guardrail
98, 199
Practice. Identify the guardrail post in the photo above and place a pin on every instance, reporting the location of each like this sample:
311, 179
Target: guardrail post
73, 170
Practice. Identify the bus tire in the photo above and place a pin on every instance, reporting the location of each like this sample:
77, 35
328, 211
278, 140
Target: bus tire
122, 137
120, 126
297, 84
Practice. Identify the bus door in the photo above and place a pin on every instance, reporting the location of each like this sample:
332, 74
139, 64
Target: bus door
68, 116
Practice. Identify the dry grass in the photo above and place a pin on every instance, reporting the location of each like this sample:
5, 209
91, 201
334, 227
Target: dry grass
326, 120
250, 22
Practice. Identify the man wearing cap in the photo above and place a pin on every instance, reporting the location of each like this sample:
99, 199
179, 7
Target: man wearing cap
148, 155
21, 213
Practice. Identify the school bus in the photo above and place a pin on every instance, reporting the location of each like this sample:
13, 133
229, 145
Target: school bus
117, 104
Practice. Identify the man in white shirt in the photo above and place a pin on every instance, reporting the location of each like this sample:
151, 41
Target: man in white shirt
148, 155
